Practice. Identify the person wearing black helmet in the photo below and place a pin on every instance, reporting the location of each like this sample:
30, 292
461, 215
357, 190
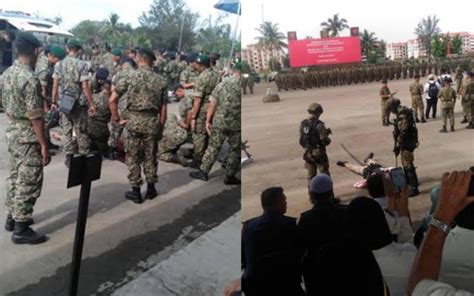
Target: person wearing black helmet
447, 96
385, 94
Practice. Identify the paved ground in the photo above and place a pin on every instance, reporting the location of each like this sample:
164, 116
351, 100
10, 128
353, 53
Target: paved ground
123, 240
353, 114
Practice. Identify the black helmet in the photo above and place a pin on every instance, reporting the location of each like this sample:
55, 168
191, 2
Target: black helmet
315, 108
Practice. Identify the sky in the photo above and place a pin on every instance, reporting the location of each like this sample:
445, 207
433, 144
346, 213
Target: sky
393, 21
73, 11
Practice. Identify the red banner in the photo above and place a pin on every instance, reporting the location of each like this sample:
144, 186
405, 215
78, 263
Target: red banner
327, 51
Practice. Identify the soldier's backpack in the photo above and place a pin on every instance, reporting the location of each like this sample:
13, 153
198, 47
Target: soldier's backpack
309, 135
433, 90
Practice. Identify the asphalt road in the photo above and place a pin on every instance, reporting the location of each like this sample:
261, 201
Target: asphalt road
123, 240
353, 114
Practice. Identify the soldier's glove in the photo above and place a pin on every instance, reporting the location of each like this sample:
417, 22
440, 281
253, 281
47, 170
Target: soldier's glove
396, 150
329, 131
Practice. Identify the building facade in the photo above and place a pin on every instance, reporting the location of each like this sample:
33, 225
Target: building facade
397, 51
415, 49
258, 59
467, 40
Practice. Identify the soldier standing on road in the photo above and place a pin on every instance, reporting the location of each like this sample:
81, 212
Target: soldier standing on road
447, 96
188, 76
385, 94
205, 84
416, 91
97, 125
146, 114
176, 130
71, 78
26, 142
467, 95
314, 137
223, 123
405, 135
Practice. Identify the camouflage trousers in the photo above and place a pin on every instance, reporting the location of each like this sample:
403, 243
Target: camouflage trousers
76, 121
116, 131
447, 113
218, 136
383, 103
316, 161
407, 157
99, 134
25, 181
467, 109
200, 139
418, 107
141, 149
173, 137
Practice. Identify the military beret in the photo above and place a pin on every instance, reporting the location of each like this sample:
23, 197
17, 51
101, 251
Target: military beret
148, 52
117, 51
203, 59
102, 74
58, 52
192, 57
178, 86
25, 38
74, 43
237, 66
46, 49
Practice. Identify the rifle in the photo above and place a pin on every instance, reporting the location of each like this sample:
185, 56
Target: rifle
244, 147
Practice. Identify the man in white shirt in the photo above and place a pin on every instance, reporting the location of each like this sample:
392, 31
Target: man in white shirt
431, 90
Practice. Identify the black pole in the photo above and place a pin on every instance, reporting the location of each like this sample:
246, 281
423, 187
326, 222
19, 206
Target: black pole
79, 237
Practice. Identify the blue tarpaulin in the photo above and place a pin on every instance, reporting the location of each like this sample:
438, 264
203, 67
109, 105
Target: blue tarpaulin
232, 6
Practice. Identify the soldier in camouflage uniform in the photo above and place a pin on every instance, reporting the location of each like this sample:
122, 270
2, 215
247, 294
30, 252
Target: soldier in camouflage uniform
205, 84
96, 60
188, 76
44, 72
159, 64
71, 77
416, 91
113, 64
25, 140
223, 122
406, 141
458, 78
97, 125
467, 95
314, 137
176, 130
116, 129
385, 94
146, 115
447, 96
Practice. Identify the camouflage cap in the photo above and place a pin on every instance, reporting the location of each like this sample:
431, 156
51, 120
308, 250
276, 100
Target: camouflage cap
58, 52
315, 108
74, 43
203, 59
25, 38
117, 51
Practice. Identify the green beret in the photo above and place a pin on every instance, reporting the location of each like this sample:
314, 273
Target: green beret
237, 66
203, 59
117, 51
74, 43
147, 51
58, 52
25, 38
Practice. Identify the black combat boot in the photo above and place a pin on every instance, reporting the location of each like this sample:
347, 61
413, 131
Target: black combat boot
341, 163
10, 223
452, 128
231, 180
417, 120
195, 164
52, 146
370, 156
423, 120
470, 125
443, 130
135, 195
111, 154
151, 192
23, 234
464, 120
199, 175
68, 160
412, 180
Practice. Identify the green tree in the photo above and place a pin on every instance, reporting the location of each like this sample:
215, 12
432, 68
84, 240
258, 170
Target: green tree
87, 31
164, 19
214, 36
456, 44
335, 25
275, 65
426, 29
368, 42
439, 46
270, 39
111, 30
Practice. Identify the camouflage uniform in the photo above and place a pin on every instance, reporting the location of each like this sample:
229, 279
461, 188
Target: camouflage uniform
468, 97
44, 73
71, 72
416, 91
159, 66
385, 95
188, 75
22, 104
205, 84
173, 134
97, 125
226, 125
112, 66
146, 96
96, 62
447, 96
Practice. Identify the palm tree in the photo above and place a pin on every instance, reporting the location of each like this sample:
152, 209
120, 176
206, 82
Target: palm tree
335, 25
270, 39
369, 41
426, 29
111, 30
